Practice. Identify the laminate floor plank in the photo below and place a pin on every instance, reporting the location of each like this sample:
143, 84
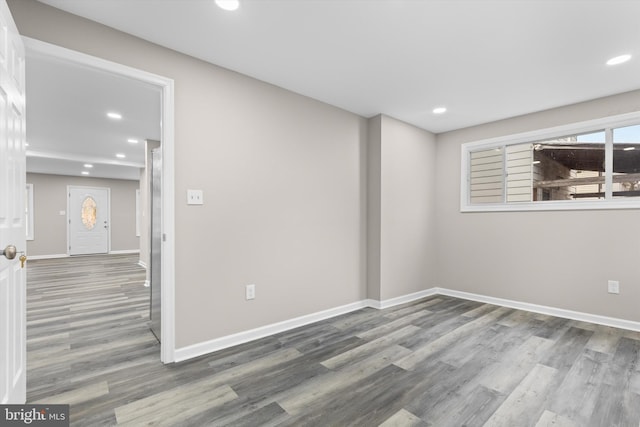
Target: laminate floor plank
504, 374
550, 419
439, 361
406, 309
577, 396
524, 406
297, 399
372, 400
403, 418
467, 408
369, 348
469, 328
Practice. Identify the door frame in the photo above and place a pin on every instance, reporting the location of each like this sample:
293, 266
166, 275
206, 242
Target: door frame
33, 46
82, 187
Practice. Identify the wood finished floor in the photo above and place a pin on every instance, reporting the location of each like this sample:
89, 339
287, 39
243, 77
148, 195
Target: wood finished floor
439, 361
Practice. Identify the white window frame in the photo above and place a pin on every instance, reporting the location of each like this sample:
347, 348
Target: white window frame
596, 125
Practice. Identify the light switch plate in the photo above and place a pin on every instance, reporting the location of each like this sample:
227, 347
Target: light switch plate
195, 197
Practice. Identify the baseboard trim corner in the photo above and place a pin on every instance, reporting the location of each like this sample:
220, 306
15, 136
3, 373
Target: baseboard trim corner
195, 350
381, 305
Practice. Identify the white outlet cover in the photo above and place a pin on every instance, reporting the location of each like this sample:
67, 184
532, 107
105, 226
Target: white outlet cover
195, 197
250, 291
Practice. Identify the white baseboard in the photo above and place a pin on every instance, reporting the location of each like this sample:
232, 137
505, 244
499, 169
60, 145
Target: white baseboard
52, 256
381, 305
199, 349
196, 350
182, 354
542, 309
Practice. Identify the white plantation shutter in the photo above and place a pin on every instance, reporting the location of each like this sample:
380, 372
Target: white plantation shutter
487, 176
519, 172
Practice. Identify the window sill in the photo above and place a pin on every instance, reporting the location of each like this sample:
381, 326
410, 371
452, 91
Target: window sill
568, 205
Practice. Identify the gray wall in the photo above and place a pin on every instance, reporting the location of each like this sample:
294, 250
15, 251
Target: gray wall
374, 206
560, 259
50, 197
402, 183
283, 178
286, 196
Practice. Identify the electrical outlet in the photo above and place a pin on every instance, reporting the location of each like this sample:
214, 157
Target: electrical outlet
195, 197
613, 287
250, 291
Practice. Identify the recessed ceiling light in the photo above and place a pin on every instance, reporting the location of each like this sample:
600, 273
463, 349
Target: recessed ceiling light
115, 116
628, 148
88, 165
132, 140
85, 172
120, 156
440, 110
619, 60
228, 4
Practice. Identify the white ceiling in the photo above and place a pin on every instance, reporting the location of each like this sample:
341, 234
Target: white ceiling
68, 127
485, 60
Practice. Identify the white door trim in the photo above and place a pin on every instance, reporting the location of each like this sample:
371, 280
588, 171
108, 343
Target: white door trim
167, 352
81, 187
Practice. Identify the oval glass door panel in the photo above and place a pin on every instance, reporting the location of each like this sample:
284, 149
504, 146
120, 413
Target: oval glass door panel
88, 220
89, 213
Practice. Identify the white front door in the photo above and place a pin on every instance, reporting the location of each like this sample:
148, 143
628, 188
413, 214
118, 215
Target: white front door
13, 331
88, 214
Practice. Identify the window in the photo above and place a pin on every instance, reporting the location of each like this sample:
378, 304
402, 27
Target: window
626, 161
588, 165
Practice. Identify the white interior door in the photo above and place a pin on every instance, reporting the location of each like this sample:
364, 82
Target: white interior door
88, 214
12, 212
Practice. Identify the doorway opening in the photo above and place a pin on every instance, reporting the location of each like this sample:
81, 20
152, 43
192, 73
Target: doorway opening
165, 256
